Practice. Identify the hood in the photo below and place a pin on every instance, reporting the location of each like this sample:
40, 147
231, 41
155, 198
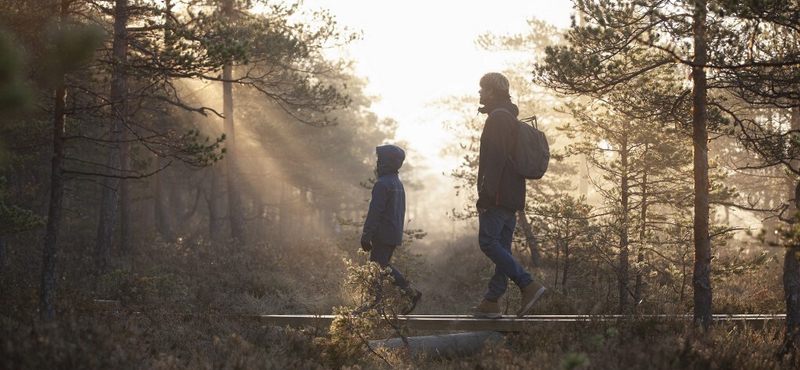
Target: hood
504, 102
390, 159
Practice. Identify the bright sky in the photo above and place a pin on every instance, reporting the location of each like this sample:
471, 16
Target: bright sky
417, 51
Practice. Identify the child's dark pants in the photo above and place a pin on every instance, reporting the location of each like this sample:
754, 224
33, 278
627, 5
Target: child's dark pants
382, 254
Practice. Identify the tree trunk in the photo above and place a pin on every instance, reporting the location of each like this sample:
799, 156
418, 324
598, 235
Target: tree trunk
791, 265
108, 204
163, 216
530, 239
638, 290
623, 236
558, 251
108, 213
306, 228
261, 220
234, 196
47, 293
684, 278
185, 216
794, 164
215, 206
125, 206
283, 215
791, 289
583, 177
701, 279
583, 165
566, 263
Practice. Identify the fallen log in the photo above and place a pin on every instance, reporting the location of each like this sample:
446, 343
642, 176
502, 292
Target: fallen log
442, 346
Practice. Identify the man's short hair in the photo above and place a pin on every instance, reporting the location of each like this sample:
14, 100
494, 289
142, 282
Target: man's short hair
495, 82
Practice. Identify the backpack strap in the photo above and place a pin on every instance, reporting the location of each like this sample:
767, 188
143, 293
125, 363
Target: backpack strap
516, 131
504, 111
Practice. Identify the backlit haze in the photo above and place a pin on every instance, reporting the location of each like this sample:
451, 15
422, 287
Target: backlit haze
415, 52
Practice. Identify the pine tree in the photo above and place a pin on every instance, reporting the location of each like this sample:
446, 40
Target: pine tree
623, 41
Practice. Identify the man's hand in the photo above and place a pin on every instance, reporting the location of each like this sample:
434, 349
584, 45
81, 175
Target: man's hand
366, 246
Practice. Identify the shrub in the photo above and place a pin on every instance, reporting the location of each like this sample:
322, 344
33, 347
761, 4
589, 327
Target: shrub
154, 289
373, 315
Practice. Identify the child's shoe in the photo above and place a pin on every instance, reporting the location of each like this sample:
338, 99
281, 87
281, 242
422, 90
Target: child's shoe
415, 295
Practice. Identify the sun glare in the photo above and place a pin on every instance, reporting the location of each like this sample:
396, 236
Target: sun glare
416, 52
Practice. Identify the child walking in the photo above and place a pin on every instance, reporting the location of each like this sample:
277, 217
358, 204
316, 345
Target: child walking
383, 227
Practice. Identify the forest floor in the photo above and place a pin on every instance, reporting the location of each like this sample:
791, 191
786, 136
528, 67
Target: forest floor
179, 304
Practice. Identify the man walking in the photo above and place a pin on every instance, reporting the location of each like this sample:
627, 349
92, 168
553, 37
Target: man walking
501, 192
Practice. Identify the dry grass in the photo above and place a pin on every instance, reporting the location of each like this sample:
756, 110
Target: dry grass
162, 284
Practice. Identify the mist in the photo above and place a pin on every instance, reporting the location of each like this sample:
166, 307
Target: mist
174, 175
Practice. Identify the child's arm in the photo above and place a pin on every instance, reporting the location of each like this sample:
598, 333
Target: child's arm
377, 205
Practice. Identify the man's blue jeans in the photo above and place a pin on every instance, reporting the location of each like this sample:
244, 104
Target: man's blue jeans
495, 233
382, 254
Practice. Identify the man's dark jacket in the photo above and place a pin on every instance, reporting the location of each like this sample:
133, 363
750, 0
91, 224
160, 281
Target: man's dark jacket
387, 209
498, 181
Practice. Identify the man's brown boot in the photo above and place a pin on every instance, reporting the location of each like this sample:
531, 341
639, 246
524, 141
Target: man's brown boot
487, 309
530, 293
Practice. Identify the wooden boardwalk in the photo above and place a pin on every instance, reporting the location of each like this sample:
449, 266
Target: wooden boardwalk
507, 323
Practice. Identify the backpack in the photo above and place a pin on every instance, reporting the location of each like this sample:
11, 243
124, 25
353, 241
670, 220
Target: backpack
531, 152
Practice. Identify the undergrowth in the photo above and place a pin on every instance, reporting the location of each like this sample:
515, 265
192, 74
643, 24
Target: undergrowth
176, 300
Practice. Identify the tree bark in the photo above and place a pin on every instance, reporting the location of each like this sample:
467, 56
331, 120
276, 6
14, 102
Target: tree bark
284, 215
583, 165
530, 239
791, 181
125, 206
215, 207
108, 204
164, 224
638, 290
47, 294
701, 279
163, 216
236, 215
791, 265
567, 263
558, 252
623, 236
583, 176
791, 289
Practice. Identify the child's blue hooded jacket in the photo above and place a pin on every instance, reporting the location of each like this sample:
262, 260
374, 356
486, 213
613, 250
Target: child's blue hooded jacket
387, 209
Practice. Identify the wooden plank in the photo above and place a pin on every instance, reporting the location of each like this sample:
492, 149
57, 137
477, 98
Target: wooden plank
504, 323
